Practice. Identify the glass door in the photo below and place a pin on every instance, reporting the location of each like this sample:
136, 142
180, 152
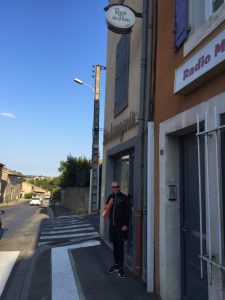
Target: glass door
123, 172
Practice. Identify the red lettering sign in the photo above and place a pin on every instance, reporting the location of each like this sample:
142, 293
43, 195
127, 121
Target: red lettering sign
200, 64
220, 47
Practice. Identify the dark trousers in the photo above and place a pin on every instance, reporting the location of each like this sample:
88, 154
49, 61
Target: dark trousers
117, 237
118, 252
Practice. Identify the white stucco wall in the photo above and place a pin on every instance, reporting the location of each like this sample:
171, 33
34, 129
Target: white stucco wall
133, 90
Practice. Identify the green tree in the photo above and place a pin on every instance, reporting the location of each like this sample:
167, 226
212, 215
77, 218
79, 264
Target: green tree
75, 171
56, 195
47, 183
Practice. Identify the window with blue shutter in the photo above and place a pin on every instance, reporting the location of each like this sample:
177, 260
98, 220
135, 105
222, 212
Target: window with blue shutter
181, 22
122, 74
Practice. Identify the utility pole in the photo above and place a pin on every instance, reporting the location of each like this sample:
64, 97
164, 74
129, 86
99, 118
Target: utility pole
94, 203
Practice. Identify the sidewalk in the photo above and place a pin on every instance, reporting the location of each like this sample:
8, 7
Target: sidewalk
90, 270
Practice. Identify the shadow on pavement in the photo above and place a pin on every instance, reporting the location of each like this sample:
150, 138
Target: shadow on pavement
2, 231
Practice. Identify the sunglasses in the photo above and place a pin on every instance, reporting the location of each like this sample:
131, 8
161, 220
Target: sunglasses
115, 186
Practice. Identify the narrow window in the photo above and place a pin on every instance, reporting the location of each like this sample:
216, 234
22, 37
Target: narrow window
122, 74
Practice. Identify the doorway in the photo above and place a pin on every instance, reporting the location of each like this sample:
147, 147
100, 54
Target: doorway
193, 287
123, 172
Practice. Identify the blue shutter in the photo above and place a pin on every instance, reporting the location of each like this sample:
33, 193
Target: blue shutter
181, 22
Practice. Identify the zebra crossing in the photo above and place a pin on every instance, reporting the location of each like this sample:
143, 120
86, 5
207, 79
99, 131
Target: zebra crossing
65, 229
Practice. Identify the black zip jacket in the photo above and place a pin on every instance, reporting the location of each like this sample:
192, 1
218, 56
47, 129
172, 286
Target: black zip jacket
120, 211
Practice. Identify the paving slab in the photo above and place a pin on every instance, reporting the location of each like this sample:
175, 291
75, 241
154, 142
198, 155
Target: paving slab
91, 266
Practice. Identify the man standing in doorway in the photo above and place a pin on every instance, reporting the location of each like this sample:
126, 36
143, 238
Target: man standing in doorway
118, 226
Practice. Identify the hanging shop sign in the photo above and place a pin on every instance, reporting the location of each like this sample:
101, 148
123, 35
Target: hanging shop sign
202, 66
120, 18
118, 130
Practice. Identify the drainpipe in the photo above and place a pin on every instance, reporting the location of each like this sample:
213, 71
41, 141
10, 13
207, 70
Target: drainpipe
150, 209
150, 199
152, 43
140, 154
145, 205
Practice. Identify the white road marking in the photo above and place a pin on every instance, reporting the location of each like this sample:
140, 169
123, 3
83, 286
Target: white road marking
62, 220
7, 261
68, 235
43, 243
66, 230
63, 281
71, 239
48, 227
66, 226
51, 224
68, 217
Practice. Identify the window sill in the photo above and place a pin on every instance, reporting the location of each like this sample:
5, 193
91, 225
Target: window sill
212, 23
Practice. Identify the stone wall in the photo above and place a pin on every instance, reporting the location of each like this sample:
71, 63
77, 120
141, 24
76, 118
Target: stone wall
76, 199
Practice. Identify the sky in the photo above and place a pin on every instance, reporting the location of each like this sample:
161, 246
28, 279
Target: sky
44, 115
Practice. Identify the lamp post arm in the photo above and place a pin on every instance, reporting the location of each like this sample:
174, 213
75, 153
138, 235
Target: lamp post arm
89, 86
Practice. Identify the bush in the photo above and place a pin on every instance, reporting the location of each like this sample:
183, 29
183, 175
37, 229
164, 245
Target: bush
56, 195
28, 195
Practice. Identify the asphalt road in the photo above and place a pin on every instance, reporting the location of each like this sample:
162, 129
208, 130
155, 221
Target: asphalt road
62, 257
18, 239
20, 227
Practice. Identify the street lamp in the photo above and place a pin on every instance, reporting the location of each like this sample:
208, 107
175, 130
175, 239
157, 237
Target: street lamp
79, 81
94, 183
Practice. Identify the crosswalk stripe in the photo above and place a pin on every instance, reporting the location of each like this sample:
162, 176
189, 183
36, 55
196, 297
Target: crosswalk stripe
68, 235
69, 228
93, 236
66, 221
66, 230
66, 226
7, 261
70, 217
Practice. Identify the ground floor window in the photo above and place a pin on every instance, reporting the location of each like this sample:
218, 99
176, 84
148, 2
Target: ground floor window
121, 173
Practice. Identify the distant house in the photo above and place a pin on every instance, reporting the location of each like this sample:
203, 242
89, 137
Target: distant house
11, 186
32, 188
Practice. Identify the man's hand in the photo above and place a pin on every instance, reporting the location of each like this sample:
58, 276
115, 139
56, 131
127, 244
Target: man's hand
124, 228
